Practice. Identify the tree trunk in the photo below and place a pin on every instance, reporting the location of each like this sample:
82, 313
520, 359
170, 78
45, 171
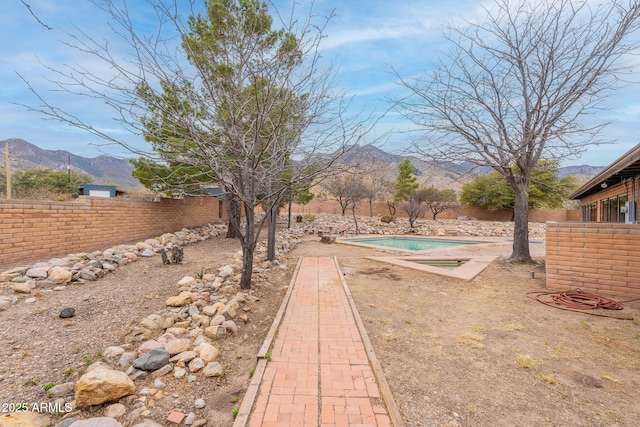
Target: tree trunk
392, 208
355, 220
370, 208
248, 243
521, 224
272, 217
235, 217
289, 218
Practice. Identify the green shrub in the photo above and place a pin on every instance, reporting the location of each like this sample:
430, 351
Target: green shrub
309, 217
387, 218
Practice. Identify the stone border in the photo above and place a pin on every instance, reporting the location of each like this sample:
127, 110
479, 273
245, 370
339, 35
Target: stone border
385, 390
254, 386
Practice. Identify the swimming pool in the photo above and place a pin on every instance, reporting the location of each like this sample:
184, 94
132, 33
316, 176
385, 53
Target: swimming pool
410, 243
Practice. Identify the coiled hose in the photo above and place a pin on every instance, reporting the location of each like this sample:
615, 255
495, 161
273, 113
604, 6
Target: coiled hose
580, 301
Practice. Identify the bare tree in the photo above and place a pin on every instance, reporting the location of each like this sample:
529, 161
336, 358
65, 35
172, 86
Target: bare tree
337, 188
439, 201
356, 190
518, 86
223, 95
415, 206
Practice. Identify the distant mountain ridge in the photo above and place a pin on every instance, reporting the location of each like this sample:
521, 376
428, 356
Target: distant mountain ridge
111, 170
104, 169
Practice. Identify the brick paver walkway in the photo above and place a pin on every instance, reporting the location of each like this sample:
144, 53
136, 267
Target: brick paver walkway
319, 373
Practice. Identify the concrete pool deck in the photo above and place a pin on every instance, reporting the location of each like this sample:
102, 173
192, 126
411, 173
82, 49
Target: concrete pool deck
476, 256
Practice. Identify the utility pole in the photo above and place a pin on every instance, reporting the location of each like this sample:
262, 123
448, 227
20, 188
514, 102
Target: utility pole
7, 168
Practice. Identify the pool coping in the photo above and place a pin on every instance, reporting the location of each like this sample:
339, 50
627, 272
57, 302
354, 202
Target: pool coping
467, 271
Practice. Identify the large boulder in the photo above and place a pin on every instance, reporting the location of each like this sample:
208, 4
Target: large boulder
21, 419
154, 359
60, 275
102, 385
183, 298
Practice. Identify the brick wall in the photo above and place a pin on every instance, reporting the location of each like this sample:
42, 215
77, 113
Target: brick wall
602, 258
379, 208
38, 230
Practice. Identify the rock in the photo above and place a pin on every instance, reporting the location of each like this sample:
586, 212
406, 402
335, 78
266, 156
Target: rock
179, 372
23, 419
136, 374
154, 359
207, 352
138, 334
127, 358
148, 423
22, 288
213, 369
215, 332
152, 321
327, 238
186, 281
168, 322
60, 275
190, 418
185, 356
211, 310
196, 364
67, 422
147, 253
230, 309
88, 275
162, 371
67, 312
177, 346
97, 422
38, 272
4, 304
113, 352
200, 404
218, 320
193, 311
183, 298
149, 345
231, 326
63, 389
115, 410
225, 271
102, 385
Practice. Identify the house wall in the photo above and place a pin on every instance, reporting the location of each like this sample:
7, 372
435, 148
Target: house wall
380, 208
628, 188
601, 258
36, 230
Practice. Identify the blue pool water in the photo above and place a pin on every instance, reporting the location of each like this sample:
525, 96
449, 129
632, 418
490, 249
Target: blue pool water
413, 244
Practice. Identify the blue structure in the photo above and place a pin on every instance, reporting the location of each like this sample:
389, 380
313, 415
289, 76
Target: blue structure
98, 190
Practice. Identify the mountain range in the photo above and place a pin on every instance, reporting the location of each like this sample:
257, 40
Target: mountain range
104, 169
111, 170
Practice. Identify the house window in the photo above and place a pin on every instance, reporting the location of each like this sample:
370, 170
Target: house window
590, 212
611, 209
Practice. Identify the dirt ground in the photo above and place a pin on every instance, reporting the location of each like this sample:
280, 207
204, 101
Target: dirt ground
481, 353
476, 353
38, 348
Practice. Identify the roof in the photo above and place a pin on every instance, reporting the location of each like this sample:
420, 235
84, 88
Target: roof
627, 166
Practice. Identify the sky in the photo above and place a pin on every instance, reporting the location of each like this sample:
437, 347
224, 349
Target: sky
369, 40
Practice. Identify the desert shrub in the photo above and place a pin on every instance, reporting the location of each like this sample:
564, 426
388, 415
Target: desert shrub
387, 218
309, 217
